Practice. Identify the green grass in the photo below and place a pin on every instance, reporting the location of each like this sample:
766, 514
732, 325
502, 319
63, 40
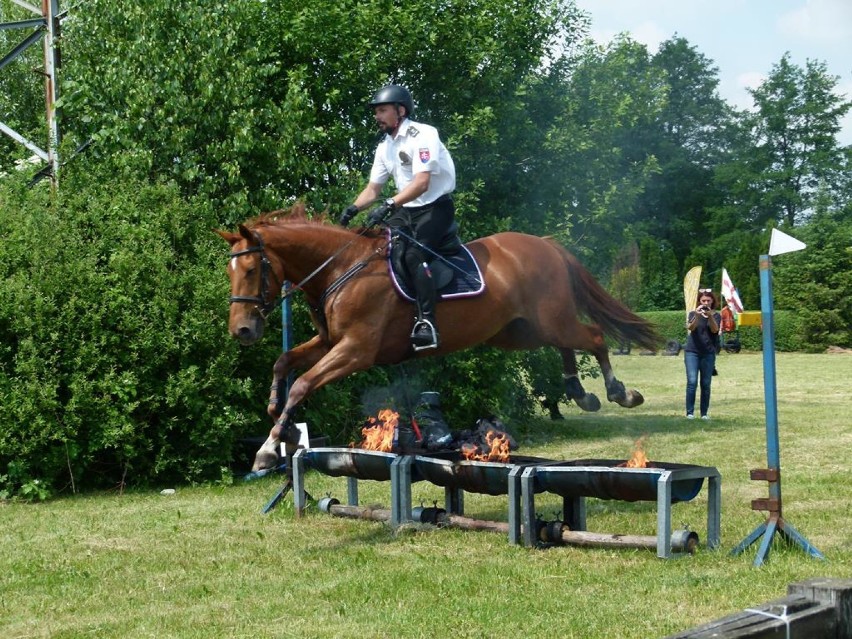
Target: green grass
206, 563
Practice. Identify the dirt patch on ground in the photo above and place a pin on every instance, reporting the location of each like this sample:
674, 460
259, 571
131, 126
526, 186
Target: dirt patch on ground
838, 349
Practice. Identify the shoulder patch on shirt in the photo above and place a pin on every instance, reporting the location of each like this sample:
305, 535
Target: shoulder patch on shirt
413, 131
424, 155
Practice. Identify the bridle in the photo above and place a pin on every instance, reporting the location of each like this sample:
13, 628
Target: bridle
263, 307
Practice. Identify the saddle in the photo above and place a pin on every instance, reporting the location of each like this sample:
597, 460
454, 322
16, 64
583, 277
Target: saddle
454, 268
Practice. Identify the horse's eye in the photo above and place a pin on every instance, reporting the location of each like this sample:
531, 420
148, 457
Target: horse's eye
250, 271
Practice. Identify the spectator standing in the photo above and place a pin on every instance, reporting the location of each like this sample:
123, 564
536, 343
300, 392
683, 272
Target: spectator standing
702, 345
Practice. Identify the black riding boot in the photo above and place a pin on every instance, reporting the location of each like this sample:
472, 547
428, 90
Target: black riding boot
425, 332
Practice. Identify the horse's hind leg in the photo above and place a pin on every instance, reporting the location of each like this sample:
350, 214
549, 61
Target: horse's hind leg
615, 390
573, 387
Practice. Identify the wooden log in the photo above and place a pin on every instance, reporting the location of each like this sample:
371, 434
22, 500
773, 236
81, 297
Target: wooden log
360, 512
606, 540
468, 523
569, 537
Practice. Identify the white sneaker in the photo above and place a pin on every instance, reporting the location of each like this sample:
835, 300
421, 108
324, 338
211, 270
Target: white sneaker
705, 417
690, 416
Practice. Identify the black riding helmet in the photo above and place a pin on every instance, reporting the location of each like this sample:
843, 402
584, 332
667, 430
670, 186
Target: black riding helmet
394, 94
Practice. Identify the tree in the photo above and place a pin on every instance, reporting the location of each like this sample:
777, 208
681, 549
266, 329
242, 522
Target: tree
817, 282
779, 158
796, 124
787, 149
591, 168
686, 140
662, 285
21, 90
258, 103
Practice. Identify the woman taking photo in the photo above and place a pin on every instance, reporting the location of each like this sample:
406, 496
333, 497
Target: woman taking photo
702, 344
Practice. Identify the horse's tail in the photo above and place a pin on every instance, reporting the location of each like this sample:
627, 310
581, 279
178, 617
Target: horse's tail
614, 318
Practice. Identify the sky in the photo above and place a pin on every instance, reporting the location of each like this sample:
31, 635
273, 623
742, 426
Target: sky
743, 38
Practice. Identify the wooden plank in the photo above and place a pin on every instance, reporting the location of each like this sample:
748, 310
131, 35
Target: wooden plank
764, 474
807, 619
769, 504
834, 592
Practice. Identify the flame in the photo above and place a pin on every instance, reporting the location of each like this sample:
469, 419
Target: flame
498, 448
639, 459
379, 432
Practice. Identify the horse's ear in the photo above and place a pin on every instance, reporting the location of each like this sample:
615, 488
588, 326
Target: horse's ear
246, 233
230, 238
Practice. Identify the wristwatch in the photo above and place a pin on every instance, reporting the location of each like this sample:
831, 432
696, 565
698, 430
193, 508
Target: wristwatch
390, 203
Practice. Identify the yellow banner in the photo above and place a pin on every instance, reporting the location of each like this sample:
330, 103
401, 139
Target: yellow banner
690, 288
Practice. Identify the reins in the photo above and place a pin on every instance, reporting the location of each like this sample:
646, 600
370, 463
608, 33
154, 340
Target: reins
340, 280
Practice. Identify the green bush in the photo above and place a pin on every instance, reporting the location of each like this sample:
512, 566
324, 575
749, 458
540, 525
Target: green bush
670, 324
115, 366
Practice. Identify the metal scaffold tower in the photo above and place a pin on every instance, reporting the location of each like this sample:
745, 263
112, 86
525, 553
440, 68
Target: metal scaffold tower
44, 28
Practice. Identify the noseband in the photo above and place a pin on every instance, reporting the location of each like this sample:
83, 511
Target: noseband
263, 307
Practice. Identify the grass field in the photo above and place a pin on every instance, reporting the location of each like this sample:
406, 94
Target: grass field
205, 562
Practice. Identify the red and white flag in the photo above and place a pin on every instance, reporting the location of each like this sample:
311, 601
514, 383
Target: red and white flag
729, 292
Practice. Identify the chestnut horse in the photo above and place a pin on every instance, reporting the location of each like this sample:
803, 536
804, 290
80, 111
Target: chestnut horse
534, 290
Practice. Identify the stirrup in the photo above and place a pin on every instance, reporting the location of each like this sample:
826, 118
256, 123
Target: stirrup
418, 334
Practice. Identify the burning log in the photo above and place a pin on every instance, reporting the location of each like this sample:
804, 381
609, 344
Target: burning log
381, 433
549, 532
487, 442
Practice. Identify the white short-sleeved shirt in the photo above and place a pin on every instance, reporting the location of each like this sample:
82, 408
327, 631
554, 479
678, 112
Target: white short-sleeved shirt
415, 149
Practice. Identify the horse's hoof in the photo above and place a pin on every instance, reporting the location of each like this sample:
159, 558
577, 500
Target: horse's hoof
589, 402
265, 459
627, 398
636, 398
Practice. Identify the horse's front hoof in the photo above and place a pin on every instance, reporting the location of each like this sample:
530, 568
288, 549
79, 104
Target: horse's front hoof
265, 459
589, 402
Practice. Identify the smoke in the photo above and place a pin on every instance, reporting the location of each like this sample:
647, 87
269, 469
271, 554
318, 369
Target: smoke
401, 395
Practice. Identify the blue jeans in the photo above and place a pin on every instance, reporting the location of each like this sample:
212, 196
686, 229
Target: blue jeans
703, 365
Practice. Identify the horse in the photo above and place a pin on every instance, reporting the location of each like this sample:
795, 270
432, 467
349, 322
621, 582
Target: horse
534, 291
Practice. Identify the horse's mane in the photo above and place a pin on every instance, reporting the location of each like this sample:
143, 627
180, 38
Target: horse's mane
296, 214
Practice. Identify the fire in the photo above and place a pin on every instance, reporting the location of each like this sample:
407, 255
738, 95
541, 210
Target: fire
379, 432
639, 459
498, 450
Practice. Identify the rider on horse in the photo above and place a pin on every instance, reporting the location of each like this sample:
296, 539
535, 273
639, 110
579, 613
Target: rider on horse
422, 209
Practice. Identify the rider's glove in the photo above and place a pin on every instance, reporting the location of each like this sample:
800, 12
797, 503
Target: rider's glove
381, 212
348, 214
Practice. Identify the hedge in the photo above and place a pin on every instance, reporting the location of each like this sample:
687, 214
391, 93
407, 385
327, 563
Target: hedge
115, 366
789, 330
